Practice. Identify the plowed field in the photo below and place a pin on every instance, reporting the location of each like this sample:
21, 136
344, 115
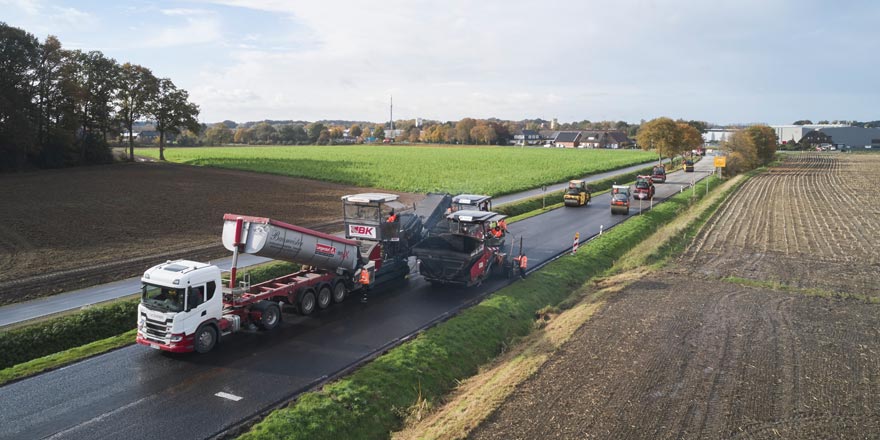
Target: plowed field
64, 229
688, 355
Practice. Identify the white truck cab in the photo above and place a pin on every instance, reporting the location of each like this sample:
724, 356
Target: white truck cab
179, 298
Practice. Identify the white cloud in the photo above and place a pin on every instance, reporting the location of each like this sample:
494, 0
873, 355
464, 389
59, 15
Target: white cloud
199, 27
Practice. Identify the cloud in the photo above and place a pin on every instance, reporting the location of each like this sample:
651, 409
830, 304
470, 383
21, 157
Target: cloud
198, 27
40, 19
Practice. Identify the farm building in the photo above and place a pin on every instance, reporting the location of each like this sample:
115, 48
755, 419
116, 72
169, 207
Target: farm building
844, 137
527, 137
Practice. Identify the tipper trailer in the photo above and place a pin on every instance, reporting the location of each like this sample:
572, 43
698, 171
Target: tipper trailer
187, 306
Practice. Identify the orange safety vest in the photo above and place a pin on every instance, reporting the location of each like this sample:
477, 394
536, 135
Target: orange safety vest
502, 224
392, 218
523, 261
497, 232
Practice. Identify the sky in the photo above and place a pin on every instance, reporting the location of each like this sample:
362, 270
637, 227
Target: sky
743, 61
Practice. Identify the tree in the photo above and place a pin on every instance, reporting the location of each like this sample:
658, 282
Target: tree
243, 135
265, 133
701, 126
355, 131
379, 132
336, 132
765, 140
172, 111
137, 87
483, 134
743, 155
414, 134
324, 137
691, 138
314, 130
662, 135
219, 134
19, 52
803, 122
463, 130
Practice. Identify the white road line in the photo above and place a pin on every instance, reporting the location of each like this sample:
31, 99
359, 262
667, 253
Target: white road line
231, 397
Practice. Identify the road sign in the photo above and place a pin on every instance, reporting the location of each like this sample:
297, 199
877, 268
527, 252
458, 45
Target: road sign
720, 161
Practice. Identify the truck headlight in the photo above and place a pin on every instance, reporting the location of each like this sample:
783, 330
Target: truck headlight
176, 338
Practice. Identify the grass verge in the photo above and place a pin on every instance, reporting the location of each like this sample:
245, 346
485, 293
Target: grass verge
378, 397
49, 344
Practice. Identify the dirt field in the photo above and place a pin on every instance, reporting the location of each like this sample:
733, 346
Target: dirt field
812, 223
687, 355
63, 229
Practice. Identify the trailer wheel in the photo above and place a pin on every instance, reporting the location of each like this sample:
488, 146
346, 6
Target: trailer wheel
339, 292
270, 317
206, 339
307, 303
324, 297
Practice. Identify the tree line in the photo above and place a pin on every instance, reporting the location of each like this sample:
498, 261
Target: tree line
58, 107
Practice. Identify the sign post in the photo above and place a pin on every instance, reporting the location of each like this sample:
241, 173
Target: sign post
574, 247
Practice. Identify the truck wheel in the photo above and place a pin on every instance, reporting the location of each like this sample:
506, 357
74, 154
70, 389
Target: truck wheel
339, 292
324, 297
271, 317
307, 303
206, 339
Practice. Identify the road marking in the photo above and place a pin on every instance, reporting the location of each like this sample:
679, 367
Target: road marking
231, 397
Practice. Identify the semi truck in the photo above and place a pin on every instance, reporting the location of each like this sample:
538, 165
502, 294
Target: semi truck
188, 306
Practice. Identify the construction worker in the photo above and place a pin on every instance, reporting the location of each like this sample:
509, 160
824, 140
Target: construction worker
502, 224
522, 261
392, 217
497, 232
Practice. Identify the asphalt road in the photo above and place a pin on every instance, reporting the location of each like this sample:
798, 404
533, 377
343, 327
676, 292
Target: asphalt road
139, 393
76, 299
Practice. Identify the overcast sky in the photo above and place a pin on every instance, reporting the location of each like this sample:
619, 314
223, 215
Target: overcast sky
771, 61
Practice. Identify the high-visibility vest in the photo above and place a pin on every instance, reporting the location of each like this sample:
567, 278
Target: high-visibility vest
392, 218
365, 277
523, 261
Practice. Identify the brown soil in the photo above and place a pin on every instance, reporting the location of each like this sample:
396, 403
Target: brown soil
687, 355
64, 229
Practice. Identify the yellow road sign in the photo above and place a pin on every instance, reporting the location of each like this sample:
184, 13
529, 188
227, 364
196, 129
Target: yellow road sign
720, 161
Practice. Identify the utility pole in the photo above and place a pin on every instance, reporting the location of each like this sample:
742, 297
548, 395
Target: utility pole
392, 112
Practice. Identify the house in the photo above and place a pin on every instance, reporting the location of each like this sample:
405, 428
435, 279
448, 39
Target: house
141, 137
568, 139
616, 139
527, 137
591, 139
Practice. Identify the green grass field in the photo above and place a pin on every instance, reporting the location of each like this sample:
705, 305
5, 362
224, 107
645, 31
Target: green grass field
453, 169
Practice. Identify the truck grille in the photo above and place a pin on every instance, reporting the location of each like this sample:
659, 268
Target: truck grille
157, 331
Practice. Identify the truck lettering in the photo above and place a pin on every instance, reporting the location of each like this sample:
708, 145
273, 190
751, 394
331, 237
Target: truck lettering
323, 249
362, 231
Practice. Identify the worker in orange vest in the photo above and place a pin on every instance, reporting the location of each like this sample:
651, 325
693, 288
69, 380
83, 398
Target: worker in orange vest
497, 232
392, 217
502, 224
523, 262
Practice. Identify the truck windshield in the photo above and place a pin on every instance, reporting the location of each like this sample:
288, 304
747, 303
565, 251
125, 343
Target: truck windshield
160, 298
361, 212
658, 170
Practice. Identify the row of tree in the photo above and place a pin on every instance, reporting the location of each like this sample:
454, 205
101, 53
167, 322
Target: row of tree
58, 107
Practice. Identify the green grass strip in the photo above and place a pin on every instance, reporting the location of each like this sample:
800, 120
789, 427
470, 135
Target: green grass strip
371, 402
57, 360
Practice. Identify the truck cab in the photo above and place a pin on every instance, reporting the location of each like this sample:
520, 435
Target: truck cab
472, 202
178, 298
658, 174
644, 188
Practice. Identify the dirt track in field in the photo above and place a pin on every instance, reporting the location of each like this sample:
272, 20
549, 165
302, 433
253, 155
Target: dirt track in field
686, 355
64, 229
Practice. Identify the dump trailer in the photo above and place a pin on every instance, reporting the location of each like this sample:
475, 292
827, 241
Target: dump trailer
187, 305
469, 252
